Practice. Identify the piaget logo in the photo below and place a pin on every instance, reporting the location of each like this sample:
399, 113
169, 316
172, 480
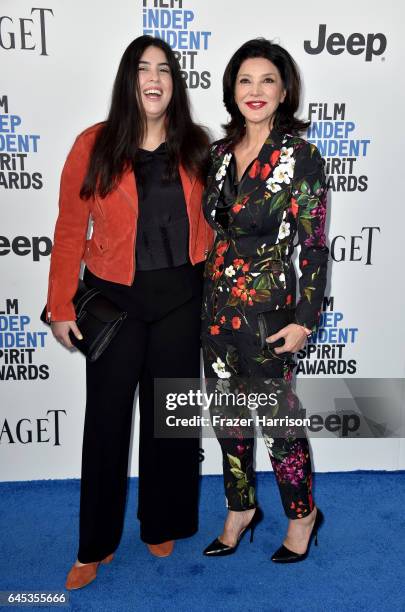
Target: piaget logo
354, 248
25, 33
44, 430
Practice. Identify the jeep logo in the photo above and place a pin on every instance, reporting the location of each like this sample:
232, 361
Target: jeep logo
37, 246
356, 44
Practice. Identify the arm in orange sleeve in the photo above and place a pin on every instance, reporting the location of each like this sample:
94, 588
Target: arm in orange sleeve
70, 234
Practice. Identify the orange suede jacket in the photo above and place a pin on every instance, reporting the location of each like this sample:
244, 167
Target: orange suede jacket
110, 252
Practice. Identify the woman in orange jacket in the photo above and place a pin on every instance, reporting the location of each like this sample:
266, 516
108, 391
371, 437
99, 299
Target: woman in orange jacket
137, 178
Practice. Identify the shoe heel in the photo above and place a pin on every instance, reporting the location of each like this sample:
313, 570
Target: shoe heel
257, 517
318, 522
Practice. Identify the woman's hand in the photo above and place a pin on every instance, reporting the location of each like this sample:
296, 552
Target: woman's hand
61, 329
295, 337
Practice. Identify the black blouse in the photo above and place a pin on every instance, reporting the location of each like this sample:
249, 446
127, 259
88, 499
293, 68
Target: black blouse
163, 226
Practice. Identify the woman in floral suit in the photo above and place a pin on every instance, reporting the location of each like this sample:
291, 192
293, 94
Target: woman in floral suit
265, 188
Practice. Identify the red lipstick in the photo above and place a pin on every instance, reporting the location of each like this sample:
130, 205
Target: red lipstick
256, 104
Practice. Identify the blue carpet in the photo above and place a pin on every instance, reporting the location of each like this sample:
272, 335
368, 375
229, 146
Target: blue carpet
358, 565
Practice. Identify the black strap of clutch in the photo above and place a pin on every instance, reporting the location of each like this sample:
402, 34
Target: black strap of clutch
98, 319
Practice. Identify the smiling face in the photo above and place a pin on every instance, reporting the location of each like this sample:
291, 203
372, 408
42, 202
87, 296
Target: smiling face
259, 90
155, 82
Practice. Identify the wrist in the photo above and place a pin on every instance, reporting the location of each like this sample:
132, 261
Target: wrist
306, 330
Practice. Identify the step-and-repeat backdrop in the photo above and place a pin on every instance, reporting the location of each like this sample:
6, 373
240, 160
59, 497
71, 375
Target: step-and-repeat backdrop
58, 61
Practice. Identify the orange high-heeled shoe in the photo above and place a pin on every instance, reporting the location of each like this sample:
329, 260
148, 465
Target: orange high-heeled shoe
161, 550
80, 576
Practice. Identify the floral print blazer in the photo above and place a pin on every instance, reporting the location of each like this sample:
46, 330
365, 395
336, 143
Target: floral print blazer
249, 268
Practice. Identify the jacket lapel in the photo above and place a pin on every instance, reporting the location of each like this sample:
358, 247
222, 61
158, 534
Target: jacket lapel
188, 186
128, 186
259, 172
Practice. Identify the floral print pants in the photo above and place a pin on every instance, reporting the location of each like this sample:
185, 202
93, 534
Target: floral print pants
235, 363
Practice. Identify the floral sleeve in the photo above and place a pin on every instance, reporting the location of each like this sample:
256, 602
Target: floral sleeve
309, 195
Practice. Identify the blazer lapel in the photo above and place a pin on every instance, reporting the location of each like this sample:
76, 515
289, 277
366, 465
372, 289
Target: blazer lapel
273, 143
258, 173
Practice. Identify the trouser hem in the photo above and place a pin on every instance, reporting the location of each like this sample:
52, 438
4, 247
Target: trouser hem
97, 558
169, 535
250, 507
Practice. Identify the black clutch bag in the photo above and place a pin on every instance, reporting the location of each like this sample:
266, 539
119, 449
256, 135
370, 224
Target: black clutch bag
270, 323
97, 318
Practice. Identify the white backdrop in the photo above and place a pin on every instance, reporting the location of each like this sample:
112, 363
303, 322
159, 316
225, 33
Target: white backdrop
58, 62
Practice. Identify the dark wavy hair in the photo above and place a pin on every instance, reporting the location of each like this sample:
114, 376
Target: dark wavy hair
124, 130
284, 120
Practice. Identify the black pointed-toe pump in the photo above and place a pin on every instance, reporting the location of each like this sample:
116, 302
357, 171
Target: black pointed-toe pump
285, 555
219, 549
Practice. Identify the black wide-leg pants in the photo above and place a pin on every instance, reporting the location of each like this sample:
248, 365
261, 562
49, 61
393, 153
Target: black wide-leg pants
160, 339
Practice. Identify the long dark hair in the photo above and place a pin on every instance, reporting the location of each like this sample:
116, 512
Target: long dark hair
123, 132
284, 120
